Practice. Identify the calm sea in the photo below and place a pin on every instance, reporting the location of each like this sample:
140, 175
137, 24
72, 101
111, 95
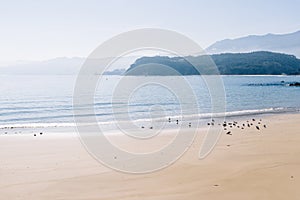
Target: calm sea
45, 101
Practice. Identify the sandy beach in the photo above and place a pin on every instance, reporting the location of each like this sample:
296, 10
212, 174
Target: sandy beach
249, 164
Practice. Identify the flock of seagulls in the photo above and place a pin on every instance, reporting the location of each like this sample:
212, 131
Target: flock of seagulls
228, 126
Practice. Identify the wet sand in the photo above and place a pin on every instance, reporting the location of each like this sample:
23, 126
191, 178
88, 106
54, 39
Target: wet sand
246, 164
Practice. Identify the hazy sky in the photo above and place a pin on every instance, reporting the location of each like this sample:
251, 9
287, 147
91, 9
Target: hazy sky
38, 30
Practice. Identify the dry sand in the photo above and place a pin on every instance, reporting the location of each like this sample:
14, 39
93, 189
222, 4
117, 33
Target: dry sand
249, 164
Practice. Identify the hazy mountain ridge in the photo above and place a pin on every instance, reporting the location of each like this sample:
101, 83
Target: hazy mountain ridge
282, 43
56, 66
285, 43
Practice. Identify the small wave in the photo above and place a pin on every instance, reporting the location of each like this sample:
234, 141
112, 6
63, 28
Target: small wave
257, 112
163, 118
228, 114
37, 125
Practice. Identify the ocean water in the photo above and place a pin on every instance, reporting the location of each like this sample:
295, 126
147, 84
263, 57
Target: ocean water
47, 101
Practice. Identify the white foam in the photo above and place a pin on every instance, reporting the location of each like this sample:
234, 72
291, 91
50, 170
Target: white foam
164, 118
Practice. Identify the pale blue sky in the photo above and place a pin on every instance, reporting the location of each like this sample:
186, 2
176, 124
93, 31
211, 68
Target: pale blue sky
39, 30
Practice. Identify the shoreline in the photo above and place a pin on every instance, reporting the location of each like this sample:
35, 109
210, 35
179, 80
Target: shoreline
203, 119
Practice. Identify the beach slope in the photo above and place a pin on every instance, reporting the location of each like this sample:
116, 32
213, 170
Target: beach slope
249, 164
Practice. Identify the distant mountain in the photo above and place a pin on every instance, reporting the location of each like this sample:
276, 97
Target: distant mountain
283, 43
256, 63
57, 66
61, 66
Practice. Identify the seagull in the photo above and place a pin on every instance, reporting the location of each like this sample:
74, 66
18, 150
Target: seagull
229, 133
